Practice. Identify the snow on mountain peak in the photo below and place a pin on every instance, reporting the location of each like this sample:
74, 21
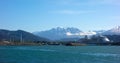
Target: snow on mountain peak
59, 33
113, 31
116, 29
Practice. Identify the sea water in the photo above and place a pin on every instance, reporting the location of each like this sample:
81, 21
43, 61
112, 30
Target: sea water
59, 54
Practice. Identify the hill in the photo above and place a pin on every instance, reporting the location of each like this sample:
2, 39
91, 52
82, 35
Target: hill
19, 35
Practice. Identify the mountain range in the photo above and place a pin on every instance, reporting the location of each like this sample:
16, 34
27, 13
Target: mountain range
61, 34
72, 33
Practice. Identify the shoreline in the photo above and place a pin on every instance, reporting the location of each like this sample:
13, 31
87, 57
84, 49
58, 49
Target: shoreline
58, 44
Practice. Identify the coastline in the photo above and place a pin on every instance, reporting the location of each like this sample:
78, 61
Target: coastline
58, 43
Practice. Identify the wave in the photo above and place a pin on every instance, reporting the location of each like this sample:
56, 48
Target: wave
23, 48
102, 54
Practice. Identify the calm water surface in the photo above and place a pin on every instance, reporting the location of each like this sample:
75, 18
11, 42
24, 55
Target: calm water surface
59, 54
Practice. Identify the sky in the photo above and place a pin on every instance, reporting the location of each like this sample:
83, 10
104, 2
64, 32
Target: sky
39, 15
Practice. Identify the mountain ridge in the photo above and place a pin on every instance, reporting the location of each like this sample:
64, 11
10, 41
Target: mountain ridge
71, 32
57, 33
17, 35
113, 31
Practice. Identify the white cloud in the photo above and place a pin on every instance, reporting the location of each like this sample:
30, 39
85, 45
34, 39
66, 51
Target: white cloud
88, 33
71, 12
68, 33
81, 33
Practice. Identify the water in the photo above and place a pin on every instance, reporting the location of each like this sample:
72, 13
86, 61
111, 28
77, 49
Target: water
59, 54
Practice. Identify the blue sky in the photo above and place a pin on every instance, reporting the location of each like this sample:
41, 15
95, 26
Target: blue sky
38, 15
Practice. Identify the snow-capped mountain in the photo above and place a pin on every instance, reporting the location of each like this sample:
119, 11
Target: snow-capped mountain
68, 33
58, 33
61, 33
113, 31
